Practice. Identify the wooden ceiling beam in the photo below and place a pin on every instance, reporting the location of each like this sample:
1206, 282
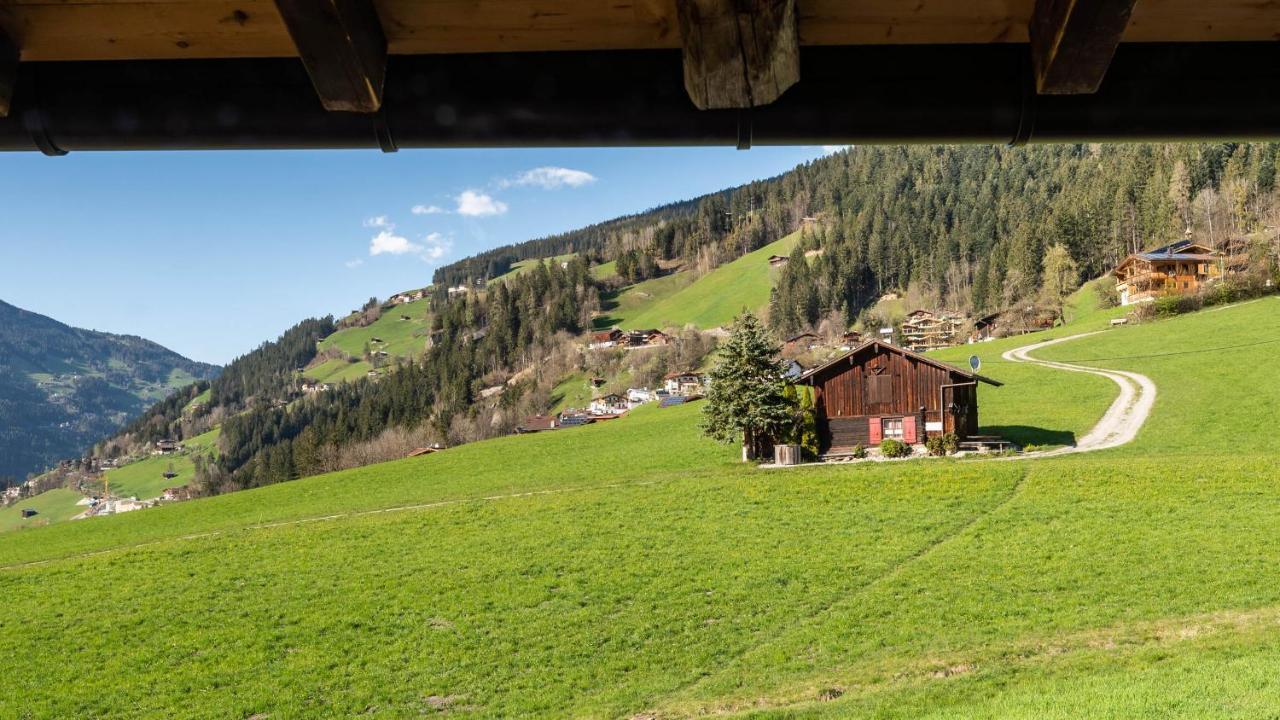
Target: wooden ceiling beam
1073, 41
343, 48
738, 53
8, 72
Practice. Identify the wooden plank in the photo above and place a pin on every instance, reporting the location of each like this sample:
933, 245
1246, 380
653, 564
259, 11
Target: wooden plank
8, 72
1073, 41
738, 53
343, 48
174, 29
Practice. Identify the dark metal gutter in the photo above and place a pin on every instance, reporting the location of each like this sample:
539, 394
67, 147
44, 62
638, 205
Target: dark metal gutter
864, 94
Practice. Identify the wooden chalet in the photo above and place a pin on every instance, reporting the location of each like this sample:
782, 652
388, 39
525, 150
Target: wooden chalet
605, 339
1176, 269
803, 342
925, 330
878, 391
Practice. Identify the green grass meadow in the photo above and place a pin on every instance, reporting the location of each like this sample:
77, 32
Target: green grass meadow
712, 300
634, 569
400, 338
52, 506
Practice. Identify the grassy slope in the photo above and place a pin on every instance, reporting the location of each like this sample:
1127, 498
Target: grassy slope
604, 271
714, 299
571, 392
401, 338
54, 506
521, 267
1135, 582
145, 479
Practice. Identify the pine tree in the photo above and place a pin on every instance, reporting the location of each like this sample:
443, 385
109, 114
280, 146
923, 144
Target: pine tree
747, 399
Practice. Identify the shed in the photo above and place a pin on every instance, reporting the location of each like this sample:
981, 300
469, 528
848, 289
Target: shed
878, 391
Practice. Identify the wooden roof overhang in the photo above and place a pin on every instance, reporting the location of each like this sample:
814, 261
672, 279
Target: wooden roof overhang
850, 357
125, 74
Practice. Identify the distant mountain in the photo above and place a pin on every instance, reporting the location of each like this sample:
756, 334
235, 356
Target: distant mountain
63, 388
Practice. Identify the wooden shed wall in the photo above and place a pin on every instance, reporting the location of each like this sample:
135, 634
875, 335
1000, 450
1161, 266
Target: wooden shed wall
841, 391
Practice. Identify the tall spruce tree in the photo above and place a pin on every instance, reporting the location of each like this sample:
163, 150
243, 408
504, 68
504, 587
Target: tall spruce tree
747, 400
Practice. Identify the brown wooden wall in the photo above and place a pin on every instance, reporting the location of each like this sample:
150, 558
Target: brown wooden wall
841, 391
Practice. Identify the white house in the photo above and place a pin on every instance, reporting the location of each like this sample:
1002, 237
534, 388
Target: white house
639, 396
611, 404
683, 383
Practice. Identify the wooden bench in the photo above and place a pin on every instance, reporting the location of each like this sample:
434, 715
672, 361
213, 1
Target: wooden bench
985, 443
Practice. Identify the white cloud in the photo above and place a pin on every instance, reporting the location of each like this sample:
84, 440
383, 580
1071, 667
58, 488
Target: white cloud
550, 178
474, 203
388, 243
833, 149
428, 210
355, 263
435, 246
378, 221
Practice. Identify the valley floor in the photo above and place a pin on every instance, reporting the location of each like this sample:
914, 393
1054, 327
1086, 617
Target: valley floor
633, 570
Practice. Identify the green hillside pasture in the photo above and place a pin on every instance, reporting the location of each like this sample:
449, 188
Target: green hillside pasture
649, 444
198, 400
633, 300
145, 479
604, 271
632, 567
715, 299
1217, 379
52, 506
1095, 568
491, 613
521, 267
401, 338
571, 392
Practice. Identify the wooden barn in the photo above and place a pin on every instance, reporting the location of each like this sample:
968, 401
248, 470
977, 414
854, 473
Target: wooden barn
878, 391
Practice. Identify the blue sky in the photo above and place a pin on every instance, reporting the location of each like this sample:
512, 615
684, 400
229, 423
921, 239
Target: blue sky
212, 253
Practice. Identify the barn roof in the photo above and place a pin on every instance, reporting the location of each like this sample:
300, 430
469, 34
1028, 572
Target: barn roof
190, 74
902, 351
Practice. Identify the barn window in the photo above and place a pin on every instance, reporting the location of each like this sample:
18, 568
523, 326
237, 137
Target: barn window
892, 428
879, 389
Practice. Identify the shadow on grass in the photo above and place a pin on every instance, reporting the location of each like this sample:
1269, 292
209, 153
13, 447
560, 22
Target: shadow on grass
1024, 435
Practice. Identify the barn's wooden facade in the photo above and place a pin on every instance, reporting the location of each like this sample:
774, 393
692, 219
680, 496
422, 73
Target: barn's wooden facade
878, 391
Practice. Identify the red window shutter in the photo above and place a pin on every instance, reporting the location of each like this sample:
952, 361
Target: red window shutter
909, 429
877, 434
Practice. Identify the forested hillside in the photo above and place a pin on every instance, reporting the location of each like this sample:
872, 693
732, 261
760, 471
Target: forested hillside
968, 224
61, 388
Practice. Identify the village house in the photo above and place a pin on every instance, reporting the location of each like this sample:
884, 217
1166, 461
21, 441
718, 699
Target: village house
850, 339
643, 338
176, 493
574, 418
804, 342
605, 339
1176, 269
407, 297
309, 387
639, 396
925, 330
611, 404
879, 391
683, 384
166, 446
778, 260
537, 423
